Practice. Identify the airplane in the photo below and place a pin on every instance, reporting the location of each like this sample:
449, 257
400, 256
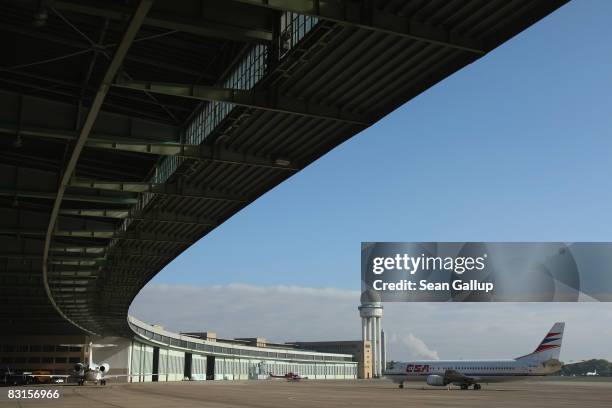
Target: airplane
84, 372
592, 373
465, 373
289, 376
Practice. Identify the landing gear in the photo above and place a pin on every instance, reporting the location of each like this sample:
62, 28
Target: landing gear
401, 385
102, 382
477, 386
464, 386
81, 382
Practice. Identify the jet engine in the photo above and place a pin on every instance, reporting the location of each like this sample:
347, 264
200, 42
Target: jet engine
435, 380
104, 368
78, 367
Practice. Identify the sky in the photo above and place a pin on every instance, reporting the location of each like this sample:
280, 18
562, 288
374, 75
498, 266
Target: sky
514, 147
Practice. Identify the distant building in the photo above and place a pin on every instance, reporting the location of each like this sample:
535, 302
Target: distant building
360, 350
53, 353
155, 354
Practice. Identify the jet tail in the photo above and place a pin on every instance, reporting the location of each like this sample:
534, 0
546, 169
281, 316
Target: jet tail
550, 347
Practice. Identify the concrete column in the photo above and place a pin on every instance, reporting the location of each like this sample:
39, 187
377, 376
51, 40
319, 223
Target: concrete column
383, 344
374, 348
378, 347
364, 328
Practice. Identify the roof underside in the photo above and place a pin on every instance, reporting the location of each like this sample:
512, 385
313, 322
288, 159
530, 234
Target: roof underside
124, 215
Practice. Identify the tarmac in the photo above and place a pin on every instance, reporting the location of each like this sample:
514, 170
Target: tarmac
310, 393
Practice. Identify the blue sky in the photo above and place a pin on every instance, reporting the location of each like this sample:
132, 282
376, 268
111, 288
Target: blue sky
516, 146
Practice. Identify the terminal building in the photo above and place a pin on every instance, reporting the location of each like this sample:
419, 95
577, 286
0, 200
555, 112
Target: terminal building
361, 351
131, 129
155, 354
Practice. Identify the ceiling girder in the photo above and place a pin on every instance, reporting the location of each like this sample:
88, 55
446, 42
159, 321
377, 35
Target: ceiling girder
84, 46
68, 197
136, 18
269, 100
129, 235
197, 152
228, 29
130, 144
157, 188
35, 114
158, 216
365, 15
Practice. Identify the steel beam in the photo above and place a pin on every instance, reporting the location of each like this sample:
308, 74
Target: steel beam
365, 15
80, 247
45, 36
269, 100
228, 30
19, 255
123, 235
68, 197
197, 152
151, 237
35, 114
80, 273
140, 254
55, 258
97, 213
157, 188
127, 39
165, 217
59, 233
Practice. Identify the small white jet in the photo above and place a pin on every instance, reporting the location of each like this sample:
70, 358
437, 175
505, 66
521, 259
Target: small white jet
97, 373
465, 373
90, 371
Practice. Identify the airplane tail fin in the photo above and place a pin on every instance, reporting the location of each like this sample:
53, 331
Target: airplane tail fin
550, 347
89, 349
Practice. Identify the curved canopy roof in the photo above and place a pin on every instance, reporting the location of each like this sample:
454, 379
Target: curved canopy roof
131, 129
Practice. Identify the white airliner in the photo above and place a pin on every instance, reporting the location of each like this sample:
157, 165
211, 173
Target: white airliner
465, 373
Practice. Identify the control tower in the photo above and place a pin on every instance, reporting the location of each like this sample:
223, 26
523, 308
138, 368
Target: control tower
371, 311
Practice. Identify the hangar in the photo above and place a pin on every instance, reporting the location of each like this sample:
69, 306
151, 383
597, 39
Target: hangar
131, 129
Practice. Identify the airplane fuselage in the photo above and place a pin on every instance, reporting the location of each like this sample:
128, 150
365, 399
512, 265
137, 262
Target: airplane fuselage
93, 375
484, 371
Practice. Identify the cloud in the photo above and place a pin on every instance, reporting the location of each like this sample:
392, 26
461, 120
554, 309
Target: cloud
277, 313
414, 347
414, 330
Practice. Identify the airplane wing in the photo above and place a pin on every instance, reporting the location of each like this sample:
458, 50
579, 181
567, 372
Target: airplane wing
49, 375
125, 375
455, 377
